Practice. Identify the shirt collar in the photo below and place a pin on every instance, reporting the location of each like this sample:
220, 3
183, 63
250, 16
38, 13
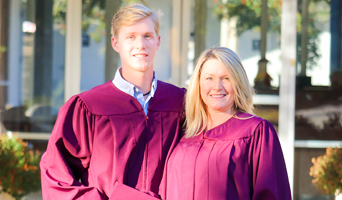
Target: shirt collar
128, 87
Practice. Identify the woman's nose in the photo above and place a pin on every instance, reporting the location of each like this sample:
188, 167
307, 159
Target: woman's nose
218, 85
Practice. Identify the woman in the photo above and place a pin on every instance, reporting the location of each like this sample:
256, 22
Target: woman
227, 152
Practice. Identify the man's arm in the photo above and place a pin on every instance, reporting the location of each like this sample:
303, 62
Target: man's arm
68, 155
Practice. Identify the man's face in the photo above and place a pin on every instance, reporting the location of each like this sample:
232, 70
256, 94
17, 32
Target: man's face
137, 45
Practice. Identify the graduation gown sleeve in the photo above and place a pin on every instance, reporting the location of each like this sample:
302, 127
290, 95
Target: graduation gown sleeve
269, 175
68, 154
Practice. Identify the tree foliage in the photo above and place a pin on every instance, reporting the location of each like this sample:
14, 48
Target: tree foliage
93, 13
327, 171
248, 15
19, 168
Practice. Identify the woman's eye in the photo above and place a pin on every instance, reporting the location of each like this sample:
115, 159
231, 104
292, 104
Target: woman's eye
209, 78
226, 78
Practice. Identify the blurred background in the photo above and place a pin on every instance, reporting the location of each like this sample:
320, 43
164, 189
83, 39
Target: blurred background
291, 50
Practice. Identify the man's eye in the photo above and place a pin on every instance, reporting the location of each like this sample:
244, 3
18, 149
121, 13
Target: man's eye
209, 78
147, 36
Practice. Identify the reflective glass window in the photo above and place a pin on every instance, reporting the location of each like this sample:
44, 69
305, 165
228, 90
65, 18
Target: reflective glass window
319, 72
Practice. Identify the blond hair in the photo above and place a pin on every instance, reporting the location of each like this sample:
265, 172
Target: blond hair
195, 108
131, 14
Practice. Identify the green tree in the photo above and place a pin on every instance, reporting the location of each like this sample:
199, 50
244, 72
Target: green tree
93, 13
19, 168
248, 15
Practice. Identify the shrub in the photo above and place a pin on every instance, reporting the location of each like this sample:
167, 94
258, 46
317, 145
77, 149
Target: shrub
19, 168
327, 171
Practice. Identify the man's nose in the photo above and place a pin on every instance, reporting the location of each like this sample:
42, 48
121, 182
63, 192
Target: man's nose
140, 42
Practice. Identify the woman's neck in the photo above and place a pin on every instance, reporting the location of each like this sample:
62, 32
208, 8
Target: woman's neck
218, 118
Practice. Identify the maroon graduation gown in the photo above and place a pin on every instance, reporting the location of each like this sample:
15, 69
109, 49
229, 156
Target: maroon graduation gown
103, 146
239, 159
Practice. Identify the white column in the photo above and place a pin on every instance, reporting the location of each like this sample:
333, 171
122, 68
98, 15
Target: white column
176, 53
185, 41
180, 37
261, 82
73, 48
0, 25
224, 42
287, 84
264, 29
112, 58
14, 54
228, 36
305, 36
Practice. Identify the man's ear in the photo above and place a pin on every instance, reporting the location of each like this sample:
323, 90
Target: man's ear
158, 43
115, 44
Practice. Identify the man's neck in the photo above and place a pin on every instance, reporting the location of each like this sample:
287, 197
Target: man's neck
141, 80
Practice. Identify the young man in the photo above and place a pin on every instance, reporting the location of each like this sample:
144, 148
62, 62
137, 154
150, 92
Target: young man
112, 142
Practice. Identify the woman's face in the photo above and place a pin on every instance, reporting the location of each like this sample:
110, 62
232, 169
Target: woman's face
215, 88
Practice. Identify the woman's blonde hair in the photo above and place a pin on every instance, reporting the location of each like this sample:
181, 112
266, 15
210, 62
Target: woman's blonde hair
131, 14
195, 108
